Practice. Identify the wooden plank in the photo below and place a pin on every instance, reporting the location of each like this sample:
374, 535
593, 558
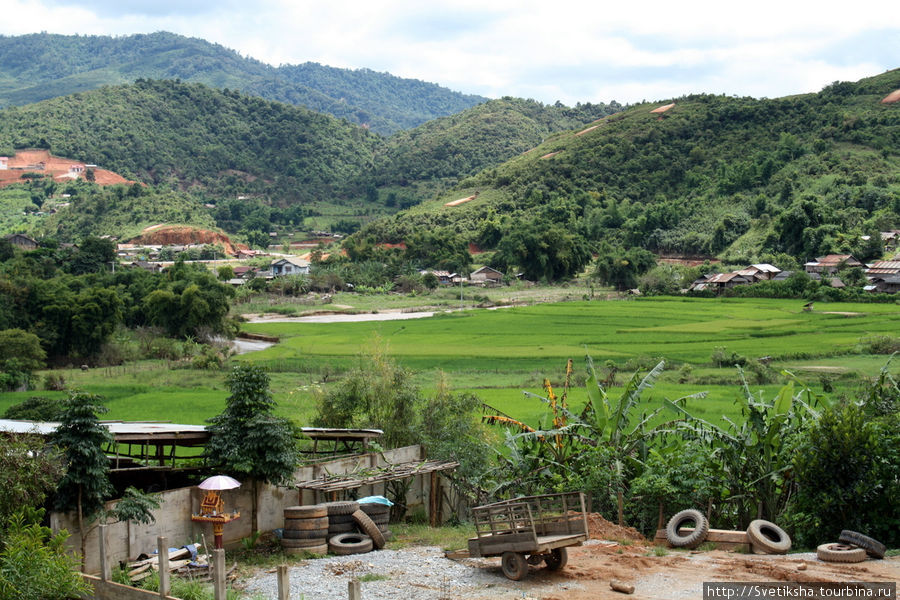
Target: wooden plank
714, 535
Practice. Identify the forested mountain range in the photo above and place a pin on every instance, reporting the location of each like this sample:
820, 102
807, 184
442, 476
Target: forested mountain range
40, 66
710, 175
196, 145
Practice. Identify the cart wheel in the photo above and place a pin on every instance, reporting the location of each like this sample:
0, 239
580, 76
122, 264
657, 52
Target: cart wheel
557, 559
514, 565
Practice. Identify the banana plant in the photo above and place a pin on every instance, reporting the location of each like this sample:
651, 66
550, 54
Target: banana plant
755, 454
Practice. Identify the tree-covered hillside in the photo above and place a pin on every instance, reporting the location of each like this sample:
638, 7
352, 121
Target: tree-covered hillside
37, 67
712, 175
450, 148
192, 136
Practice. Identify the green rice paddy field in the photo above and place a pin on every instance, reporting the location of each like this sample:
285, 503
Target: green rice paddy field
497, 354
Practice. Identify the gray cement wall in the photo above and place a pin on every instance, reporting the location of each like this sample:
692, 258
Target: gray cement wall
173, 518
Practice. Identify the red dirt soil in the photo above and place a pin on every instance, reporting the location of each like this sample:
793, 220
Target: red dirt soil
182, 235
54, 166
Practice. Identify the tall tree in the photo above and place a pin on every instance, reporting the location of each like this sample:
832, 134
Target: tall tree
247, 439
80, 436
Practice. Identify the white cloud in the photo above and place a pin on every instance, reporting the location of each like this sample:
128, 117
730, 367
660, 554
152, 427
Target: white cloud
567, 50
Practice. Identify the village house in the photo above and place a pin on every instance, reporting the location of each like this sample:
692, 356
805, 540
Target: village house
831, 264
883, 267
443, 277
4, 163
884, 284
721, 281
486, 275
22, 241
760, 272
290, 265
889, 239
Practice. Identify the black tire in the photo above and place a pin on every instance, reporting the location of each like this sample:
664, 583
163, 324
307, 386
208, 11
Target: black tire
289, 543
321, 549
342, 528
768, 537
513, 565
369, 528
373, 508
339, 519
341, 508
557, 559
305, 512
300, 534
873, 547
350, 543
841, 553
306, 524
696, 537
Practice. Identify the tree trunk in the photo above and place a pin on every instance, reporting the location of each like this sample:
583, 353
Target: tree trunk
81, 530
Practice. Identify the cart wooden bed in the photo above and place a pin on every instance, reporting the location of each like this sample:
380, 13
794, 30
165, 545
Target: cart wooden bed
530, 530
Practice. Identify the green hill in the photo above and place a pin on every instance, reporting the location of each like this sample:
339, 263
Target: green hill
40, 66
713, 175
192, 136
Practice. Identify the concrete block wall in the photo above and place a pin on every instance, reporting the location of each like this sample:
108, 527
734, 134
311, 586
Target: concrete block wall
126, 540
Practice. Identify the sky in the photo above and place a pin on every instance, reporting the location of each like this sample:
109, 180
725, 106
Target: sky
548, 50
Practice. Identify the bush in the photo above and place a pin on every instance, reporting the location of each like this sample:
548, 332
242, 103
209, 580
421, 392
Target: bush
847, 469
34, 564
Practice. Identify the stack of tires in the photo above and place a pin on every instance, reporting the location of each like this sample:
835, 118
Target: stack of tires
339, 519
380, 515
305, 530
853, 547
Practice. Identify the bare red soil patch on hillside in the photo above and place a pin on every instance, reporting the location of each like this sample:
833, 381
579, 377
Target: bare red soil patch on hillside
42, 162
182, 235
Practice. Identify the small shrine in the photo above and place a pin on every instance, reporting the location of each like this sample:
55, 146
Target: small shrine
212, 507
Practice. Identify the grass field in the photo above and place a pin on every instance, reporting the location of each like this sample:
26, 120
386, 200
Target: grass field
496, 354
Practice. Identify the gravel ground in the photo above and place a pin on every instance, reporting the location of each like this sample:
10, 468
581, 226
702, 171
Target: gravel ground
416, 573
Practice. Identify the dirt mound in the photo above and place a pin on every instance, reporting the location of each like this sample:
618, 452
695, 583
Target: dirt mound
42, 162
182, 235
601, 529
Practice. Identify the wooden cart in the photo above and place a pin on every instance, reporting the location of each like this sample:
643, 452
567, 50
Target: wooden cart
530, 530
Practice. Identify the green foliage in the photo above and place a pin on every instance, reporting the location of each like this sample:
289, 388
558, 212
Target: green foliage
193, 303
621, 268
61, 65
847, 472
377, 394
755, 455
247, 439
29, 470
20, 355
36, 408
80, 437
35, 564
134, 505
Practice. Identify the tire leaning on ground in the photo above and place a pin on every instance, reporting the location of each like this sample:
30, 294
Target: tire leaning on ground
842, 553
768, 537
696, 537
873, 547
350, 543
369, 528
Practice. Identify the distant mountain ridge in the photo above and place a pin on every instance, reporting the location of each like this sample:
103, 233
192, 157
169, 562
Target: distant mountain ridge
40, 66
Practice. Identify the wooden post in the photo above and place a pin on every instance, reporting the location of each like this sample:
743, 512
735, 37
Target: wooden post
105, 574
162, 546
219, 574
432, 504
354, 589
284, 583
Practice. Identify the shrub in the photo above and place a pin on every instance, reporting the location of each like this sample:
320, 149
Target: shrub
34, 564
847, 469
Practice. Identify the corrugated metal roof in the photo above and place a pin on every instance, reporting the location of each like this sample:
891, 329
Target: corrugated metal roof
146, 429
